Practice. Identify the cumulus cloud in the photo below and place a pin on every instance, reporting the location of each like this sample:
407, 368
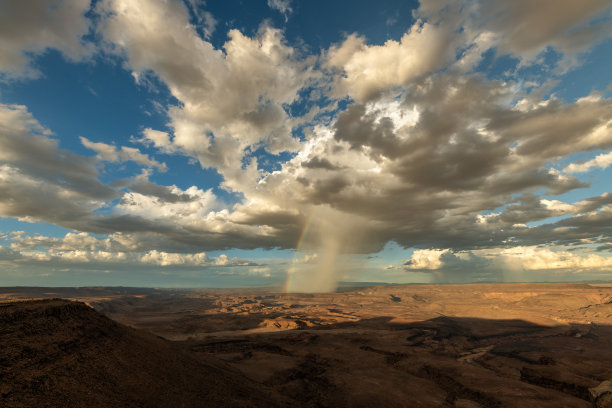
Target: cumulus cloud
41, 182
261, 271
72, 241
426, 259
101, 258
437, 151
369, 70
159, 139
601, 161
188, 205
306, 259
445, 29
111, 153
505, 264
523, 29
86, 249
231, 99
38, 180
166, 259
466, 150
31, 27
7, 254
534, 258
410, 144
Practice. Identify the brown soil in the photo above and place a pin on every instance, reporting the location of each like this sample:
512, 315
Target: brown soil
523, 345
57, 353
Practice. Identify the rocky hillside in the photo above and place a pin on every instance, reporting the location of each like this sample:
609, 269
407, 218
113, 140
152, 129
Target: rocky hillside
58, 353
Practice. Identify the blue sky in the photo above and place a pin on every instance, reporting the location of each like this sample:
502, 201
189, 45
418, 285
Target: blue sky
192, 143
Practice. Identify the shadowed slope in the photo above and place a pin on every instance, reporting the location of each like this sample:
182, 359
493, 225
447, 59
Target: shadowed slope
60, 353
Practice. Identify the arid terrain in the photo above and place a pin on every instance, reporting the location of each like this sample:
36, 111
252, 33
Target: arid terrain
485, 345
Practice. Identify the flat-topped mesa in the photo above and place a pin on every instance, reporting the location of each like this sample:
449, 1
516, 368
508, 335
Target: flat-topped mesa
47, 321
18, 310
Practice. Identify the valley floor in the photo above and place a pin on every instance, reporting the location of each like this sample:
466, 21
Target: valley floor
505, 345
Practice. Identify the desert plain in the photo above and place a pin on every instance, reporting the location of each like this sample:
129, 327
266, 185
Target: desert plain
476, 345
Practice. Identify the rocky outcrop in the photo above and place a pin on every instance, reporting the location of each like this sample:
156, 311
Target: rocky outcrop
602, 395
59, 353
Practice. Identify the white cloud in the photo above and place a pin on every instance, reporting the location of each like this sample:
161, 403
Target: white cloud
192, 205
443, 29
166, 259
282, 6
111, 153
534, 258
601, 161
40, 180
426, 259
558, 207
31, 27
372, 69
205, 18
72, 241
261, 271
523, 28
449, 147
230, 99
116, 249
210, 23
80, 256
160, 140
426, 152
523, 263
306, 259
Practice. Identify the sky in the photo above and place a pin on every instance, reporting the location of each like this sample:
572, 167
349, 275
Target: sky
186, 143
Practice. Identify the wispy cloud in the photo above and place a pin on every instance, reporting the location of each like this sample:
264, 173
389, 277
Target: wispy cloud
282, 6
